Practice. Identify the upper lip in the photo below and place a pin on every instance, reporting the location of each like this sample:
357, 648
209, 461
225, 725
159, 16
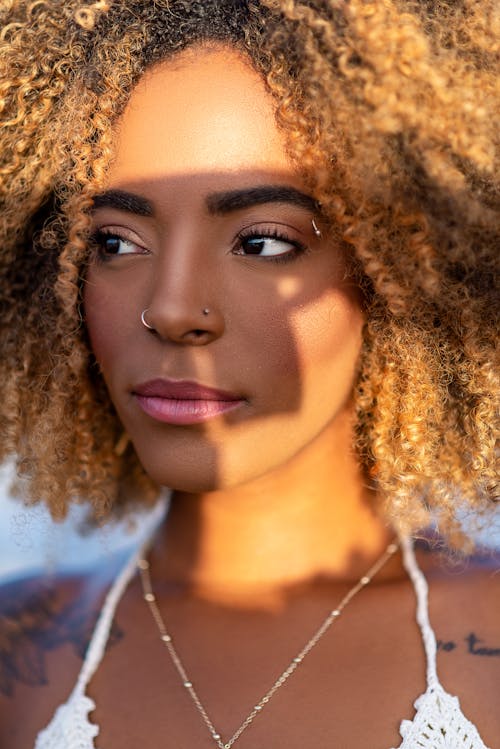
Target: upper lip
182, 390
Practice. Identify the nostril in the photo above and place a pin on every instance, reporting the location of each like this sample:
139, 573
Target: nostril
197, 335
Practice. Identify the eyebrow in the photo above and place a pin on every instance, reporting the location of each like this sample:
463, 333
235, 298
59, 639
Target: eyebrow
123, 201
235, 200
217, 203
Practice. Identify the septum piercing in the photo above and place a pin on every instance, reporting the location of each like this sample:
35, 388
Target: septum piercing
315, 228
144, 321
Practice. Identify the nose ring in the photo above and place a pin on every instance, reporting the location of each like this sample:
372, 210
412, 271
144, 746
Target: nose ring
205, 311
144, 321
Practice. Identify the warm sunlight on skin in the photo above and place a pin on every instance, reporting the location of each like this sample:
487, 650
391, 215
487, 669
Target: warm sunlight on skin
281, 337
288, 287
213, 117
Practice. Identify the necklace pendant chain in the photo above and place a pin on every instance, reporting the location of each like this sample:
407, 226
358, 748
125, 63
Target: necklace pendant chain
166, 638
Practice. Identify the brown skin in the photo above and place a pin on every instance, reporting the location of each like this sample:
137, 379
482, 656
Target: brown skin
357, 686
278, 473
271, 522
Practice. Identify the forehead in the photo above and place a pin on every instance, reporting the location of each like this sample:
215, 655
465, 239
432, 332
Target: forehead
205, 111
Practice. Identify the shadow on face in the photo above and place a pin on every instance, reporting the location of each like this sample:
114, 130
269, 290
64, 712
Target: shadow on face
280, 340
206, 226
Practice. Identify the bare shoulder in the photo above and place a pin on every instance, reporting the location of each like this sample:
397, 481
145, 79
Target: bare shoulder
464, 605
45, 626
470, 583
465, 592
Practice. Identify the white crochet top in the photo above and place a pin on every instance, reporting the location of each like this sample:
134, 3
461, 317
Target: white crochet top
438, 722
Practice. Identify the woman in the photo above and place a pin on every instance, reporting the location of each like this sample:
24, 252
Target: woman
248, 255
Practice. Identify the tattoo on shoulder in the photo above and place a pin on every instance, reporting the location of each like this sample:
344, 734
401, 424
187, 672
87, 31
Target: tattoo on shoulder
473, 645
35, 620
476, 647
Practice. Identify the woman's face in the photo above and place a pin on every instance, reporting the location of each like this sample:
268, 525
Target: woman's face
202, 210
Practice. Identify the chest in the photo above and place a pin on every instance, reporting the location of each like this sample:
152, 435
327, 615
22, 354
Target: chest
351, 691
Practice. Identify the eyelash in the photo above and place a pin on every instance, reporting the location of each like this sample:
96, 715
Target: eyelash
299, 250
98, 240
99, 237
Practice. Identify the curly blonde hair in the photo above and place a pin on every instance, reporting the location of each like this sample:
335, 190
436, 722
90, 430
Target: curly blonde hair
391, 110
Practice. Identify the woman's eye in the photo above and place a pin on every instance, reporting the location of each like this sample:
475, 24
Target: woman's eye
267, 246
113, 244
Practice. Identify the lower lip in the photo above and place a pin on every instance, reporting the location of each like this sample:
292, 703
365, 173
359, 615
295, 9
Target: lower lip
174, 411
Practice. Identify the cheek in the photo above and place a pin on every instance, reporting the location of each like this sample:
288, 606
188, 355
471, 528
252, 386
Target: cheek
307, 354
108, 321
329, 336
303, 340
328, 332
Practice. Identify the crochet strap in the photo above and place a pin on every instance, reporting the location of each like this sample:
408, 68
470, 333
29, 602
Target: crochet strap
100, 636
422, 595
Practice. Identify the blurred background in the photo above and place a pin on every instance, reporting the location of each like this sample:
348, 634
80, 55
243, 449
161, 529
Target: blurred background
31, 543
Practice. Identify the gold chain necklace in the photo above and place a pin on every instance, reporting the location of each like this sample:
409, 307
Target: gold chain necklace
150, 598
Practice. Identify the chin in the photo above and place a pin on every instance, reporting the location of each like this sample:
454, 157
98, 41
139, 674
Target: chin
201, 478
185, 478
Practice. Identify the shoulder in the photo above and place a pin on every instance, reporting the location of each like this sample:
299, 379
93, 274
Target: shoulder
464, 590
472, 575
45, 627
464, 607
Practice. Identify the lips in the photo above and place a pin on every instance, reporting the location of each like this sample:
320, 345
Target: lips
183, 401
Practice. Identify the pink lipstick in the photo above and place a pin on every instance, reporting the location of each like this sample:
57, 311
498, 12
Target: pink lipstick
183, 401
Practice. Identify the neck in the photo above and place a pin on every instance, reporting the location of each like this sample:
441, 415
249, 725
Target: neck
311, 518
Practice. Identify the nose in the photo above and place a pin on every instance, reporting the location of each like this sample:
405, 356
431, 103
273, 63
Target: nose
183, 308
